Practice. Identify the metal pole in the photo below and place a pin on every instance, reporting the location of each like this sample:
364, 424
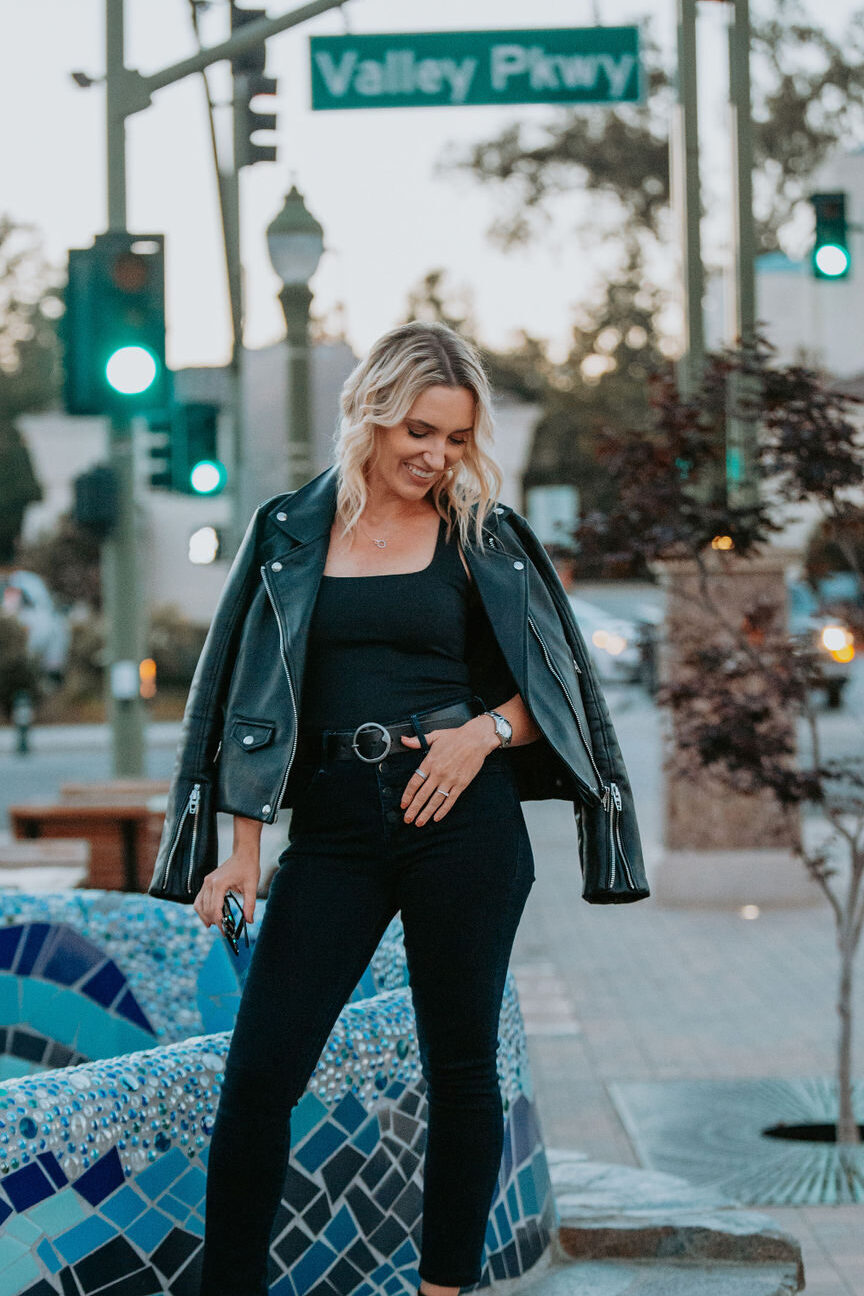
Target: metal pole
296, 300
120, 571
742, 431
230, 182
686, 200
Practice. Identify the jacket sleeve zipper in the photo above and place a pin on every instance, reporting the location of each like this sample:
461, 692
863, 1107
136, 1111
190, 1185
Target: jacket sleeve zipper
549, 662
190, 807
616, 826
278, 801
194, 801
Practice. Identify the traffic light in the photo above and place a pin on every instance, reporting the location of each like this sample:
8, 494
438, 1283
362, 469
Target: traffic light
96, 500
831, 256
184, 449
252, 60
160, 449
199, 469
250, 83
113, 329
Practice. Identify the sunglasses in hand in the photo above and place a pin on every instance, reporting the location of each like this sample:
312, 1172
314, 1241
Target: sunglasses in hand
233, 926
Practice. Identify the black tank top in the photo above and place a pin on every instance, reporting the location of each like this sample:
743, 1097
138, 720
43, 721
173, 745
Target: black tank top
382, 647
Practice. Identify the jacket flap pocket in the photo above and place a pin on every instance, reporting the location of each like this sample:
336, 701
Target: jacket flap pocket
252, 734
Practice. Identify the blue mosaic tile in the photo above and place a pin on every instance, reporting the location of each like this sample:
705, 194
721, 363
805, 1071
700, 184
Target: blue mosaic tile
101, 1179
24, 1271
10, 938
124, 1206
34, 935
58, 1213
178, 1210
49, 1256
342, 1230
10, 1250
312, 1264
190, 1189
162, 1173
151, 1229
129, 1007
349, 1113
306, 1116
66, 956
26, 1186
52, 1168
84, 1238
318, 1146
105, 983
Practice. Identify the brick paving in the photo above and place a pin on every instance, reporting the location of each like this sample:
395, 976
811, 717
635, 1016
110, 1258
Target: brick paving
670, 993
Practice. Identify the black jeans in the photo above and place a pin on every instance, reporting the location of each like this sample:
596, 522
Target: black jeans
351, 865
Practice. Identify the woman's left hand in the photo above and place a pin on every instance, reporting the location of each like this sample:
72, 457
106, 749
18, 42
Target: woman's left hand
453, 759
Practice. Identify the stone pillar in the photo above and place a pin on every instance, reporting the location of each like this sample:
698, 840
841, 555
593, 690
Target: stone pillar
722, 848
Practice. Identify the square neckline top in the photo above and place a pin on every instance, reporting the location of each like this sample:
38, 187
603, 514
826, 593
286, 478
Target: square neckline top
395, 575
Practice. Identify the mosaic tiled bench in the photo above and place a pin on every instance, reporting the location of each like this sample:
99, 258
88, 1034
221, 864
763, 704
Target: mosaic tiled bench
103, 1163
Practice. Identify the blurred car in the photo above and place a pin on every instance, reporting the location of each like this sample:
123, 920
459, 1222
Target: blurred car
818, 618
613, 642
26, 597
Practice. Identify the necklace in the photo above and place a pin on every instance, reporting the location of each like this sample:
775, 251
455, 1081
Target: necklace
379, 542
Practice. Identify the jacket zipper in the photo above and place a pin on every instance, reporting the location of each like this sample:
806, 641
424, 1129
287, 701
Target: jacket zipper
616, 830
278, 801
194, 799
190, 808
553, 668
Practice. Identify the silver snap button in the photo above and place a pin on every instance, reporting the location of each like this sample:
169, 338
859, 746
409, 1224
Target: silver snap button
498, 510
265, 809
280, 517
519, 566
249, 738
276, 566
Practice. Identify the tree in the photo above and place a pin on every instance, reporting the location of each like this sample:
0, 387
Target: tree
29, 368
808, 101
733, 690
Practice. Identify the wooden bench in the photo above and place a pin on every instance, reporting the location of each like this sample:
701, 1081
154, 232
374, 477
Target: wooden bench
121, 819
44, 865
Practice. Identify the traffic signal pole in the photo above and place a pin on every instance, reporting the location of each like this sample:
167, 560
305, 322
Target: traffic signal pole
741, 428
121, 571
129, 92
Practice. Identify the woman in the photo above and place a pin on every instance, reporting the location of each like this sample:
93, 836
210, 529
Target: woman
403, 638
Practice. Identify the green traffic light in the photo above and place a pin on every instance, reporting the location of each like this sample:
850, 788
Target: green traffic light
207, 477
832, 260
131, 370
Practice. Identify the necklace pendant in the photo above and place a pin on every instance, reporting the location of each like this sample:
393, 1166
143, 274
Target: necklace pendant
380, 544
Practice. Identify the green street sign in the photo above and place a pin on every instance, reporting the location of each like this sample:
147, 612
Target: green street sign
450, 69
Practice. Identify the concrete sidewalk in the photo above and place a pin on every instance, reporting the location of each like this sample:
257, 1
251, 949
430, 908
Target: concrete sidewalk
640, 993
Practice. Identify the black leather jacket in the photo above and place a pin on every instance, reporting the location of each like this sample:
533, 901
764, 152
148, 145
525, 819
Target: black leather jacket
239, 732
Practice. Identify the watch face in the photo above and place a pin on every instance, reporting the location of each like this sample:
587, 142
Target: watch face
503, 728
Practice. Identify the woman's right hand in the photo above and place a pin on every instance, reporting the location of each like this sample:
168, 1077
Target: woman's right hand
241, 873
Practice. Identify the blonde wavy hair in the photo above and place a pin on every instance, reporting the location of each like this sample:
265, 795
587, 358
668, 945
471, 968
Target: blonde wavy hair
379, 392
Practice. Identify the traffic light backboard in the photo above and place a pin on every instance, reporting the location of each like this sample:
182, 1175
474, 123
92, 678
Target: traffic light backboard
831, 256
113, 330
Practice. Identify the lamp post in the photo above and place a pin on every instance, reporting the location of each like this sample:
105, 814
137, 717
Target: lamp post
295, 242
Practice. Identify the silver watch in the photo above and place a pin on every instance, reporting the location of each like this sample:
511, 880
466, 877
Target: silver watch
503, 727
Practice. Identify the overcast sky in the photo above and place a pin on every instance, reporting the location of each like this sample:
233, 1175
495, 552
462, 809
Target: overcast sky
366, 175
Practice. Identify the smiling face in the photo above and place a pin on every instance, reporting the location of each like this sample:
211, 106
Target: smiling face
412, 456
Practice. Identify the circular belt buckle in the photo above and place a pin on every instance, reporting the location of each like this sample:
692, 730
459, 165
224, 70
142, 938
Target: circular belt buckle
371, 724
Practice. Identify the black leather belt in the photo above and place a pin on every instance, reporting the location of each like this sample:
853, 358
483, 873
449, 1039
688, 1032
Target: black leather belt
371, 741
